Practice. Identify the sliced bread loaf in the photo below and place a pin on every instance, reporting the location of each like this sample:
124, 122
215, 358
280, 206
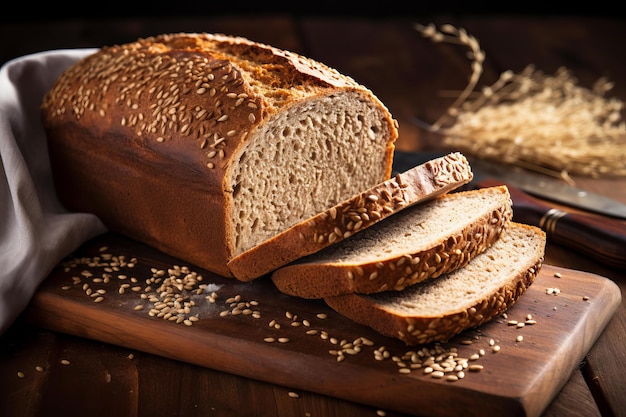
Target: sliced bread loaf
424, 241
437, 310
422, 182
206, 145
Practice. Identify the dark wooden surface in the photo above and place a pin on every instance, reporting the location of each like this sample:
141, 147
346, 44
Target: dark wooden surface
407, 73
567, 326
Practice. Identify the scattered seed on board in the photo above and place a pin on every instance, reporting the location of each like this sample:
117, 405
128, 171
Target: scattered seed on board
294, 394
553, 291
406, 363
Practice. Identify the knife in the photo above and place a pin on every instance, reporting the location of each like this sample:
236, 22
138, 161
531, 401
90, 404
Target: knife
548, 188
538, 185
600, 237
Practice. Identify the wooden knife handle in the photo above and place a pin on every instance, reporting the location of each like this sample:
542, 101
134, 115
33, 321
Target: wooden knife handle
601, 238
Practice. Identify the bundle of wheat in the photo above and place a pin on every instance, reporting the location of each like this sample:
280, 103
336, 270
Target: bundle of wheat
543, 122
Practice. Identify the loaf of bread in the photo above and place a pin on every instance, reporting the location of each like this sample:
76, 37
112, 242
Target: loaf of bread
425, 181
204, 146
424, 241
436, 310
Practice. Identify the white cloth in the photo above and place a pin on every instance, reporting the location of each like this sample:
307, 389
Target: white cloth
36, 232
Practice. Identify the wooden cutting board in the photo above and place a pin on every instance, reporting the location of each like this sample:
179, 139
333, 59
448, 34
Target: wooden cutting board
519, 380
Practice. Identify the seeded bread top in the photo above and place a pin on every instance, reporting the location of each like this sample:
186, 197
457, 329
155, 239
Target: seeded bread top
205, 88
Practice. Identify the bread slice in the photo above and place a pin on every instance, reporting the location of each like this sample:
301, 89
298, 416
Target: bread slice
422, 182
424, 241
437, 310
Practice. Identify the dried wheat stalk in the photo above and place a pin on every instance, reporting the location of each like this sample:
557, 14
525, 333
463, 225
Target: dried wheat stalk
542, 122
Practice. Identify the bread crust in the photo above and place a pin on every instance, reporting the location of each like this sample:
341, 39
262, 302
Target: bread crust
423, 182
319, 279
416, 329
145, 134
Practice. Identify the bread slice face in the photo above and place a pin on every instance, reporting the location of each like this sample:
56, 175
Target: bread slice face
437, 310
418, 243
426, 181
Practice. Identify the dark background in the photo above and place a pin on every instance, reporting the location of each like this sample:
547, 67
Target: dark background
27, 27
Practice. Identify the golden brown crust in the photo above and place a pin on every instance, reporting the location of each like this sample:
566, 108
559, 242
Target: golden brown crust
420, 183
144, 134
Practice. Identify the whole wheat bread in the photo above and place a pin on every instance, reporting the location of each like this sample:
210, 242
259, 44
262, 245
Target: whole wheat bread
205, 145
420, 242
416, 185
438, 309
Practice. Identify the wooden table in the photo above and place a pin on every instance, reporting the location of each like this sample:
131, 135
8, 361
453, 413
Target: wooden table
407, 73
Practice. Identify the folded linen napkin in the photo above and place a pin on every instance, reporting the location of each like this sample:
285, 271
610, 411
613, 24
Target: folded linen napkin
36, 232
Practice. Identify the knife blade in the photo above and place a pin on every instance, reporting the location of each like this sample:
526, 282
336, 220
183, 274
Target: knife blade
547, 188
535, 184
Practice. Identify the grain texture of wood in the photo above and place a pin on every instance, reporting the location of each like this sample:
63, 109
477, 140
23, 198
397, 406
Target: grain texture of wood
521, 379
